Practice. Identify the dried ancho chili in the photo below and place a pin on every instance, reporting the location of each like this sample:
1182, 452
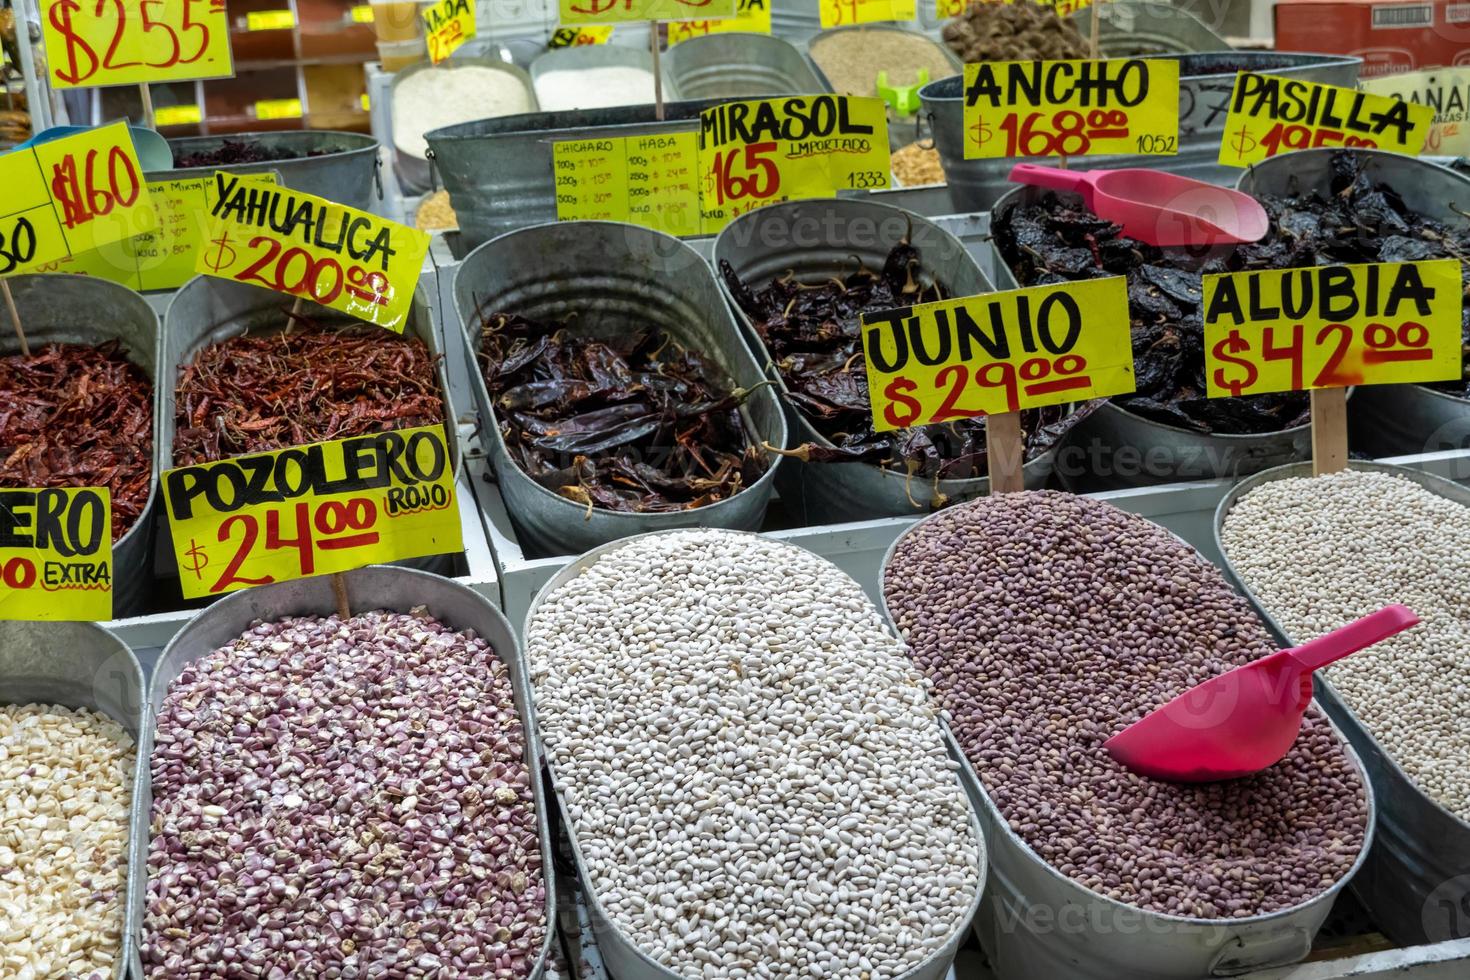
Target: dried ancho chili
627, 421
242, 151
253, 394
79, 416
812, 332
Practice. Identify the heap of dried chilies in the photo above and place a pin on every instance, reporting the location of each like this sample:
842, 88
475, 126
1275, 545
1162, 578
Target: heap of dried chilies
627, 421
75, 415
812, 334
313, 383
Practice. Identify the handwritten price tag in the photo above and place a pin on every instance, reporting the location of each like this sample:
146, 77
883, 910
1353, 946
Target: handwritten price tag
1446, 91
312, 510
447, 25
1270, 115
1332, 326
1000, 352
70, 195
647, 180
1071, 108
126, 42
844, 13
56, 554
620, 11
307, 246
751, 17
576, 37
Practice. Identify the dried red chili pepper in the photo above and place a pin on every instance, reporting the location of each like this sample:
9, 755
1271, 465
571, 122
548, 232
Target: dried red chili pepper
76, 415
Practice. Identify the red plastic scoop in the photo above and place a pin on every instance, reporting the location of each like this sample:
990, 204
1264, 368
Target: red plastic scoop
1156, 207
1246, 719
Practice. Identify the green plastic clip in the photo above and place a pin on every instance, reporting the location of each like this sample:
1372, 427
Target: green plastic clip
903, 99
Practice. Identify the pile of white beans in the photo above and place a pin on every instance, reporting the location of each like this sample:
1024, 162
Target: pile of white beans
755, 776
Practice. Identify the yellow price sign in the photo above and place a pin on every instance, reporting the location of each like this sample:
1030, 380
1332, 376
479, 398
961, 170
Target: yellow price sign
751, 17
576, 37
70, 195
621, 11
270, 20
1332, 327
128, 42
278, 109
312, 510
752, 154
1000, 352
844, 13
447, 25
953, 8
362, 14
56, 554
1271, 114
178, 115
1071, 108
1446, 91
651, 181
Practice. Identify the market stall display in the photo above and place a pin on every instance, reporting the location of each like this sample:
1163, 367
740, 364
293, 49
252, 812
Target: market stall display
429, 97
915, 165
1142, 29
339, 166
1020, 31
851, 59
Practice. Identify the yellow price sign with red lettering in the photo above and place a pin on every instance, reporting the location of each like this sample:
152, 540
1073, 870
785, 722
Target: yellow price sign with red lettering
577, 37
621, 11
447, 25
1000, 352
1071, 108
751, 17
129, 42
1332, 327
308, 247
56, 554
845, 13
312, 510
1444, 90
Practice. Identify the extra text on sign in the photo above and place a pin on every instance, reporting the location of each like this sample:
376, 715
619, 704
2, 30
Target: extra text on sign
56, 554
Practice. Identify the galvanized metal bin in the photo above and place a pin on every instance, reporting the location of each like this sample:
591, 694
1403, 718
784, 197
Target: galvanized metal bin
1205, 84
339, 166
738, 65
81, 665
901, 129
583, 57
818, 240
606, 273
70, 309
1022, 923
1130, 29
1416, 883
624, 958
375, 587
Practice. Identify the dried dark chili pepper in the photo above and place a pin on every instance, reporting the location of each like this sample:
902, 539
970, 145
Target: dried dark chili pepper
239, 151
634, 423
77, 416
812, 333
316, 383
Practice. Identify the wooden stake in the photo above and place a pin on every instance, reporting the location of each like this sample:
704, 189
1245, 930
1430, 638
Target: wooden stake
1329, 430
339, 589
148, 118
20, 333
658, 78
1093, 46
1005, 450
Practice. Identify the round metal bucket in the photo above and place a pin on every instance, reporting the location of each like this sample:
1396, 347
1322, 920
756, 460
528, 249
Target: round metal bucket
737, 65
1416, 883
70, 309
1206, 81
625, 959
1036, 922
81, 665
375, 587
605, 273
339, 166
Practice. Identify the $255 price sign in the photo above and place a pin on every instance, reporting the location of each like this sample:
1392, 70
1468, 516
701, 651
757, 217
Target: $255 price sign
999, 352
312, 510
129, 42
1071, 108
1332, 327
56, 554
311, 248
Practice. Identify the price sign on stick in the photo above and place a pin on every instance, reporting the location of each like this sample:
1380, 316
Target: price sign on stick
56, 554
312, 510
447, 25
844, 13
620, 11
312, 248
129, 42
751, 17
1446, 91
1071, 108
1271, 114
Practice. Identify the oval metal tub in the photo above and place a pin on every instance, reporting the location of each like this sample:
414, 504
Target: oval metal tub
737, 65
1023, 920
375, 587
1416, 883
624, 958
1206, 82
818, 240
605, 272
582, 57
339, 166
73, 309
207, 310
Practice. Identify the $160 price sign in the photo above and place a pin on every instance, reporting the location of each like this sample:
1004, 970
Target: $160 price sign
999, 352
56, 554
128, 42
1332, 327
312, 510
1071, 108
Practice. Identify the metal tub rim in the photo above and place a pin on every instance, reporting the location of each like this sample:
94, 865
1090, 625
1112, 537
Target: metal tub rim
944, 953
364, 143
1328, 894
555, 125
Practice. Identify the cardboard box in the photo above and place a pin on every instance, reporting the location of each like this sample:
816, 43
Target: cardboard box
1389, 35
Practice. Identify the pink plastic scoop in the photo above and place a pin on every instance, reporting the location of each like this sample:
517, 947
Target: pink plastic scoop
1156, 207
1246, 719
